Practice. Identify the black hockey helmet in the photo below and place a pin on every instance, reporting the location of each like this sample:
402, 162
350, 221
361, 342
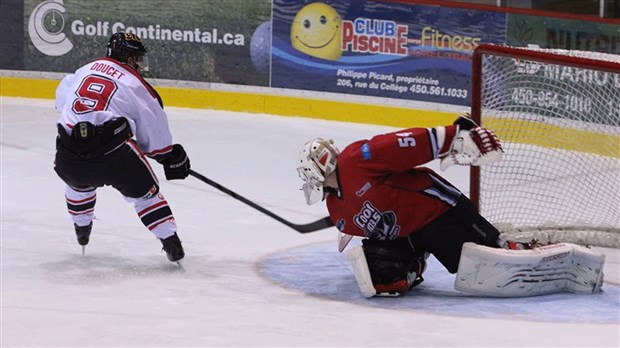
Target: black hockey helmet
121, 46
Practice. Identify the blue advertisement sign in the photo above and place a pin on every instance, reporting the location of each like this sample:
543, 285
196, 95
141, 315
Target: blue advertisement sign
395, 50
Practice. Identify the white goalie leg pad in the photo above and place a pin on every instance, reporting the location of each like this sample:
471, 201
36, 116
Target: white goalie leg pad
360, 270
516, 273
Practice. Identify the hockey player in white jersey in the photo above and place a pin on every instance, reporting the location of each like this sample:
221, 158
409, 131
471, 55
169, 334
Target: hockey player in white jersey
111, 119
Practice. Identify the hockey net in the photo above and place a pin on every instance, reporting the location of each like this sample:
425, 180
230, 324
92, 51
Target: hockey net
557, 113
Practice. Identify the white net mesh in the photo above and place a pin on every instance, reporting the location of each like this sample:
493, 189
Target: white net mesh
560, 127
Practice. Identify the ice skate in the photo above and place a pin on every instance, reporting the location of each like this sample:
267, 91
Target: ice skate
173, 248
83, 235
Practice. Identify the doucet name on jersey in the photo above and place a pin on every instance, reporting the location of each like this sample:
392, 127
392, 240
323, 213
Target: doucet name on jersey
108, 70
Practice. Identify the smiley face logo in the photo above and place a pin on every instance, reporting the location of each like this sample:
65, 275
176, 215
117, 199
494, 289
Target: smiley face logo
316, 30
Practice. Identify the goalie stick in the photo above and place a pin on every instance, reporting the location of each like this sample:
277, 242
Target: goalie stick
301, 228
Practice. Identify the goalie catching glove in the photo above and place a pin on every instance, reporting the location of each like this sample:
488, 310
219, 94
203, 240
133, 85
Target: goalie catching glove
176, 163
472, 145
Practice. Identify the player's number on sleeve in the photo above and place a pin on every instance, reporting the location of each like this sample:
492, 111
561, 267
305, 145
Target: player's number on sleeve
94, 94
405, 140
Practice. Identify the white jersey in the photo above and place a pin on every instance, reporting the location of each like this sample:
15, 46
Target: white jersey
104, 89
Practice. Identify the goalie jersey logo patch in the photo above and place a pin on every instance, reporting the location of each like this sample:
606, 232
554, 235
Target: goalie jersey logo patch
377, 224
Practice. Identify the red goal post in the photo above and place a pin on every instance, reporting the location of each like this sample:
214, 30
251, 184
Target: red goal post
557, 113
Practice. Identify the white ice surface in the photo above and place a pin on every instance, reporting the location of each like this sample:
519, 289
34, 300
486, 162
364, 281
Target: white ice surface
125, 293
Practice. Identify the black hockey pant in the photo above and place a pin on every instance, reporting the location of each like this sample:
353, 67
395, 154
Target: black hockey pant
444, 237
126, 169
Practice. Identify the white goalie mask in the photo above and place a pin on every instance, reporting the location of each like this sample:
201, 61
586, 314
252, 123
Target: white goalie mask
317, 159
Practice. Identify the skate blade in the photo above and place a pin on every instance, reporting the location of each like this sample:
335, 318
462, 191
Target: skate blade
83, 250
388, 294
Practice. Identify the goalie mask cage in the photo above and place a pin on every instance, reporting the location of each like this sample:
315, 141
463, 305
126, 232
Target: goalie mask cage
557, 114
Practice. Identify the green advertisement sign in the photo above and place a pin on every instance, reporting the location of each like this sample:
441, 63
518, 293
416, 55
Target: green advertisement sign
568, 34
191, 40
576, 93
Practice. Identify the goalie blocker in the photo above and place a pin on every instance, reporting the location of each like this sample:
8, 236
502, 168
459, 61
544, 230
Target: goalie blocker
387, 268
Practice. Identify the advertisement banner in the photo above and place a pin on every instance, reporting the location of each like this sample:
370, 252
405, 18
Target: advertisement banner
559, 88
568, 34
193, 40
12, 39
394, 50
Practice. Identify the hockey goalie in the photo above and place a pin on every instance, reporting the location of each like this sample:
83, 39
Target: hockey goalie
379, 189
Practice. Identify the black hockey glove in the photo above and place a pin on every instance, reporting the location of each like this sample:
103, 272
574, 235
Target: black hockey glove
176, 163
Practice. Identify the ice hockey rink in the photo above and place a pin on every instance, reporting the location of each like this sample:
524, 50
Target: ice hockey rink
247, 279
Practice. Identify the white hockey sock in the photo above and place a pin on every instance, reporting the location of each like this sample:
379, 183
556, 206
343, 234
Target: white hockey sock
81, 205
156, 215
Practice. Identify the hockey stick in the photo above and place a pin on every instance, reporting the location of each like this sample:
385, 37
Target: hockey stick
303, 228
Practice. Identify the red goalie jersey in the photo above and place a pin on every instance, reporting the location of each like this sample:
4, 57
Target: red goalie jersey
383, 192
